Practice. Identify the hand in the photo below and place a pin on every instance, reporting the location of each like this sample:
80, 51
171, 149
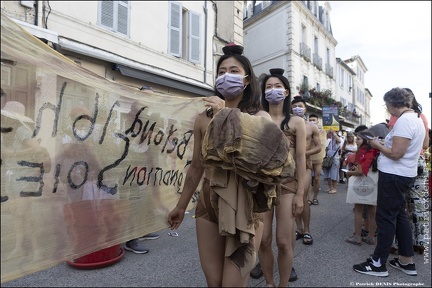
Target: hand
297, 205
375, 143
354, 167
175, 217
214, 102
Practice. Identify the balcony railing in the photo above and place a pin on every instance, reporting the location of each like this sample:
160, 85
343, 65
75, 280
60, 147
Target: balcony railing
305, 51
317, 61
329, 70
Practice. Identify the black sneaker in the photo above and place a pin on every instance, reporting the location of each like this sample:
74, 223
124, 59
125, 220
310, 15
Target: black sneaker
370, 269
256, 272
407, 268
293, 275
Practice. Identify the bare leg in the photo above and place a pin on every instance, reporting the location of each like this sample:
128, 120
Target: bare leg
305, 216
266, 257
317, 172
285, 238
330, 185
358, 211
211, 247
334, 184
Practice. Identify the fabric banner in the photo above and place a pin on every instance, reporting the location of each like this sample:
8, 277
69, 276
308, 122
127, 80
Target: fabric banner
363, 189
86, 163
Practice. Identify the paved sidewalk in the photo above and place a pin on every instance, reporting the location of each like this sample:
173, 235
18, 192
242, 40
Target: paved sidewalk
174, 261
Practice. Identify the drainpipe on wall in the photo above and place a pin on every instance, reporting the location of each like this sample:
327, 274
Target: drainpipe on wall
36, 7
205, 42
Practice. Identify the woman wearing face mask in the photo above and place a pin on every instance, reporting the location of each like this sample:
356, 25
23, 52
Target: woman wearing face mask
276, 99
332, 173
237, 89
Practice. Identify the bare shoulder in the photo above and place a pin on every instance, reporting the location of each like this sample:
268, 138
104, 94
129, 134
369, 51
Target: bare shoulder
202, 121
314, 129
295, 123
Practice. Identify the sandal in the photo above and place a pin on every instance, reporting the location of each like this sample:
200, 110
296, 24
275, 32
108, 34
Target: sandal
353, 240
332, 192
310, 202
298, 235
307, 239
368, 240
315, 202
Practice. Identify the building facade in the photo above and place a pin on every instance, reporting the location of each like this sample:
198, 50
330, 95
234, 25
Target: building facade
169, 45
297, 36
173, 46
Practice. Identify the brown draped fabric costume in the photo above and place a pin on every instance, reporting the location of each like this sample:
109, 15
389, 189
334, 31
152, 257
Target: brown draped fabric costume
249, 157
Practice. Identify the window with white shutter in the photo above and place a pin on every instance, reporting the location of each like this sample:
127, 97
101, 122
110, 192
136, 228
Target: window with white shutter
184, 36
175, 29
106, 14
114, 15
194, 37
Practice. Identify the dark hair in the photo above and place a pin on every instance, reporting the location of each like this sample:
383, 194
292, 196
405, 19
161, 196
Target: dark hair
250, 102
297, 99
360, 128
278, 73
313, 115
417, 107
398, 97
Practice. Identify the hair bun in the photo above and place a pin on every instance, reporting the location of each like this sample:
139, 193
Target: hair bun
233, 49
277, 71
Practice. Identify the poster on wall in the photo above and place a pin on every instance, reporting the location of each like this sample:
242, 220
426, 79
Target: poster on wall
330, 118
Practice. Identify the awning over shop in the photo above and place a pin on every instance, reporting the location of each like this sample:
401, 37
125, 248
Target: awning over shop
140, 71
164, 81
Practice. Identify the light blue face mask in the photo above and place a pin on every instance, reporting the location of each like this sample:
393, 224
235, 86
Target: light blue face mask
275, 96
230, 85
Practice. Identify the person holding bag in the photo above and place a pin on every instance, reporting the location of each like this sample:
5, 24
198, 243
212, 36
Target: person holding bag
365, 159
397, 165
331, 173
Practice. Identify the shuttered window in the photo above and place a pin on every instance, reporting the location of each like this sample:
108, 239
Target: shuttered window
114, 15
175, 29
194, 37
184, 36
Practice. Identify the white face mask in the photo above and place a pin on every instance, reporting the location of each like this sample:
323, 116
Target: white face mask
299, 111
314, 122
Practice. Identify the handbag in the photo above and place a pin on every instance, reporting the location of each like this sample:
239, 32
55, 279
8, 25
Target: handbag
363, 189
328, 161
